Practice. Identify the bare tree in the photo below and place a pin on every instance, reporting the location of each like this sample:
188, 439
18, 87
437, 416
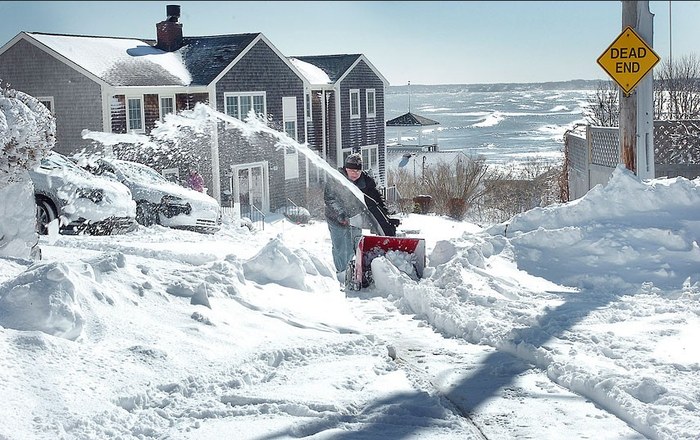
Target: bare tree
677, 89
456, 186
604, 105
516, 189
453, 187
676, 94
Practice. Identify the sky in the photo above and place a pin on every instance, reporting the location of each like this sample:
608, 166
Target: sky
576, 320
420, 42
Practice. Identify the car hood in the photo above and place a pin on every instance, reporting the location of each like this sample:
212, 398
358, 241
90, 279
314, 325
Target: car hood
64, 185
155, 192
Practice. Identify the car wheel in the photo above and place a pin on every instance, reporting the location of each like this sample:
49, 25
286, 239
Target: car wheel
45, 214
146, 215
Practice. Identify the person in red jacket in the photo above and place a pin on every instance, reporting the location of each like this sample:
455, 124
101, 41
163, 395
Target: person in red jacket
195, 180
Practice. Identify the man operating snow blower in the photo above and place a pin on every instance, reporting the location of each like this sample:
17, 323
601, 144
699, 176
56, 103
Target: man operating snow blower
346, 214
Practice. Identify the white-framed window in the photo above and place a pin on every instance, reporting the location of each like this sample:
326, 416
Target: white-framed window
48, 103
308, 107
167, 105
290, 127
134, 114
238, 105
354, 103
371, 103
291, 155
370, 158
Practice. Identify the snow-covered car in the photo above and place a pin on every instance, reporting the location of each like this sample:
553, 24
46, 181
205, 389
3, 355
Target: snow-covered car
160, 201
83, 202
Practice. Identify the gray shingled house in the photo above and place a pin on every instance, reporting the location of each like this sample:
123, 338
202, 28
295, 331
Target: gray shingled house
333, 103
346, 109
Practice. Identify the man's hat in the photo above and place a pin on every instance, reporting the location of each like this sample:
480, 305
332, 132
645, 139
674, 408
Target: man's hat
354, 161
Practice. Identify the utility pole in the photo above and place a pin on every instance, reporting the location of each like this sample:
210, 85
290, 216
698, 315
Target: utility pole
636, 108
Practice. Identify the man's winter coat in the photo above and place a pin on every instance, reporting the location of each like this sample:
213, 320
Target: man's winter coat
341, 203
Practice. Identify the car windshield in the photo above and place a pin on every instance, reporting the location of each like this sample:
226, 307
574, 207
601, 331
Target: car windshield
140, 173
58, 162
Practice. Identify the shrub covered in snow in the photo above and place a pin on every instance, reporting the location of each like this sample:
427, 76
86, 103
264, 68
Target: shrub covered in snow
27, 134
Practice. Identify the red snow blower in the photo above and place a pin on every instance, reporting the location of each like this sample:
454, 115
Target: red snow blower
402, 250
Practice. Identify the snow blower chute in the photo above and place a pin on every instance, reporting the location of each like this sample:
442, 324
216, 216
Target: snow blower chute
407, 254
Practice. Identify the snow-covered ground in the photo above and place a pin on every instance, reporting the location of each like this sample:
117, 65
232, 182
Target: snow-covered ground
576, 321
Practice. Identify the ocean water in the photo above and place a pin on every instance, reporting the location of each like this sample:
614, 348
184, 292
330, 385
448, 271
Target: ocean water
505, 124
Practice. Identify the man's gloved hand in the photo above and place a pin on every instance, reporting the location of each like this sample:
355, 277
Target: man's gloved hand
394, 222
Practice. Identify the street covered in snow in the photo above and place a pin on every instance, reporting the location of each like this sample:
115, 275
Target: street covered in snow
578, 320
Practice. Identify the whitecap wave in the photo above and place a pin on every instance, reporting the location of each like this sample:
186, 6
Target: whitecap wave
552, 129
560, 108
493, 119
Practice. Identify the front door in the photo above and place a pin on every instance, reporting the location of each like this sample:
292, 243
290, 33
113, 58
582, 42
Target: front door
250, 189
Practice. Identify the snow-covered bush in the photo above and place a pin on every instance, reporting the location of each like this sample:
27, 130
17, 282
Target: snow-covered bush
27, 134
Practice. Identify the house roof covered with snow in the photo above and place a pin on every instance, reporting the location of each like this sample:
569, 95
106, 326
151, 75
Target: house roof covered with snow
130, 62
334, 66
119, 61
133, 62
314, 74
207, 57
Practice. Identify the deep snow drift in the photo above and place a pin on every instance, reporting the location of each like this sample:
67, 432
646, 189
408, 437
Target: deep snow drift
575, 320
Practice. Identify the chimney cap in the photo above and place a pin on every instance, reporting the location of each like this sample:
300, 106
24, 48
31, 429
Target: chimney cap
173, 12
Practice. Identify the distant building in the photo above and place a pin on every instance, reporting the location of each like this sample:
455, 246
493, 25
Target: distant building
412, 123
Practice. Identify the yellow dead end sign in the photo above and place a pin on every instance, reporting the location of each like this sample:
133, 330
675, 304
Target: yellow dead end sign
628, 59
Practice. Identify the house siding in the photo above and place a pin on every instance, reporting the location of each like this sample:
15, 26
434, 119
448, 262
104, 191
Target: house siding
151, 111
77, 99
331, 128
315, 127
187, 101
117, 105
364, 131
262, 70
151, 105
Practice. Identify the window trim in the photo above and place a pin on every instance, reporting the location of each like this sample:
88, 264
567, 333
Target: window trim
50, 100
129, 129
354, 92
294, 135
370, 157
160, 106
373, 113
291, 155
309, 106
252, 96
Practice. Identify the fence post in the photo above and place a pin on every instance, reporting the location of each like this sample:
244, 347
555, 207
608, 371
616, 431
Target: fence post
589, 146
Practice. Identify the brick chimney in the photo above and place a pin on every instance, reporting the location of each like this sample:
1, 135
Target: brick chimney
169, 32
